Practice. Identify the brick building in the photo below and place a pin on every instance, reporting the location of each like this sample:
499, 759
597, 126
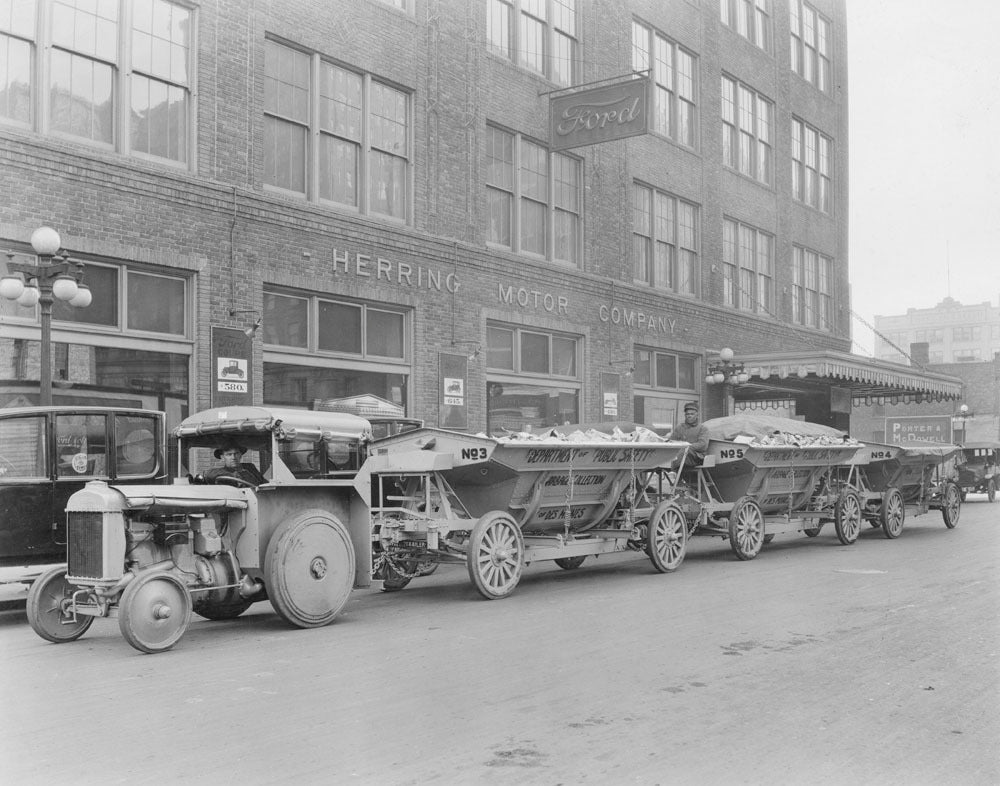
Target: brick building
378, 187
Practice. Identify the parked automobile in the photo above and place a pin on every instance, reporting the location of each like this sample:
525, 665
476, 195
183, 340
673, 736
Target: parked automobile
49, 453
981, 471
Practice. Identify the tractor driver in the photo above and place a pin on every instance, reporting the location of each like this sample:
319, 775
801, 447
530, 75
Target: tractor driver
230, 455
694, 432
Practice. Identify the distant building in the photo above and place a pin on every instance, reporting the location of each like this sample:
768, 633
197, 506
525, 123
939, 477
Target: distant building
954, 333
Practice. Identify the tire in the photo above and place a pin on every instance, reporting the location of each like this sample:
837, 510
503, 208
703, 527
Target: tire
495, 556
309, 568
951, 507
847, 517
892, 514
154, 611
812, 532
571, 563
746, 528
46, 600
666, 543
991, 490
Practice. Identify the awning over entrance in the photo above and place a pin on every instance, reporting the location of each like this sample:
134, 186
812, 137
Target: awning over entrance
865, 380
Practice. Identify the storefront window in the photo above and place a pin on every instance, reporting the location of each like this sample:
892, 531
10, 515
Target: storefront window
104, 291
155, 303
293, 385
339, 327
286, 320
663, 382
549, 392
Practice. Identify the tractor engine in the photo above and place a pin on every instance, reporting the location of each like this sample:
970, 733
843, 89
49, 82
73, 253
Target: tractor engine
111, 540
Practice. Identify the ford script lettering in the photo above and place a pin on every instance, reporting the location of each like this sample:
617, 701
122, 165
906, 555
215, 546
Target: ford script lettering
591, 116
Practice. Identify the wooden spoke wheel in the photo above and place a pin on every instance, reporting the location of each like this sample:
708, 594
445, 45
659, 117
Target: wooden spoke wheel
571, 563
48, 601
154, 611
309, 568
847, 517
991, 490
667, 540
893, 513
951, 508
495, 557
746, 528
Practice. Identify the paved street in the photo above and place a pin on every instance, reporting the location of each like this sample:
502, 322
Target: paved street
813, 664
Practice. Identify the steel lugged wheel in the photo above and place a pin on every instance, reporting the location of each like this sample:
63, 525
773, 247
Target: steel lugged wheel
47, 600
496, 555
571, 563
952, 507
309, 569
667, 541
991, 490
847, 517
746, 528
154, 611
892, 513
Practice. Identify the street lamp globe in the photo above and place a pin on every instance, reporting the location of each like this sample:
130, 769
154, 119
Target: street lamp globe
726, 354
11, 287
964, 409
64, 287
82, 298
46, 241
30, 295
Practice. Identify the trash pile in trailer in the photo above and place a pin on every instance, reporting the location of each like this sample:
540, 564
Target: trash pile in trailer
769, 430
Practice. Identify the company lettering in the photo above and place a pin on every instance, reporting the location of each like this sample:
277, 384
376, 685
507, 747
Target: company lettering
401, 273
533, 298
636, 320
599, 115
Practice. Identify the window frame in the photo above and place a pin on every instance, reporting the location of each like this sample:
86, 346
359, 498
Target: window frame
653, 383
812, 169
369, 148
123, 69
759, 25
507, 36
658, 226
552, 374
760, 151
810, 46
680, 112
515, 189
734, 252
812, 296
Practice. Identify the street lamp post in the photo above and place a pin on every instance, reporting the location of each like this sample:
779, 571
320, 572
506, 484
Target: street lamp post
727, 373
53, 277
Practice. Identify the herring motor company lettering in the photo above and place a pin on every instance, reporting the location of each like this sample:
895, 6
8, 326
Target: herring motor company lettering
402, 273
600, 114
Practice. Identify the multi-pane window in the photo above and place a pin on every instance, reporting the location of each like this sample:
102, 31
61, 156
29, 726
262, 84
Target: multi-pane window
527, 351
106, 66
672, 70
335, 135
811, 39
332, 326
811, 166
664, 240
812, 301
747, 131
966, 333
931, 335
533, 197
748, 267
750, 18
663, 370
540, 35
124, 299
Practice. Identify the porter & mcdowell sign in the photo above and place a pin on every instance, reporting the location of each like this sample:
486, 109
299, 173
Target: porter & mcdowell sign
600, 114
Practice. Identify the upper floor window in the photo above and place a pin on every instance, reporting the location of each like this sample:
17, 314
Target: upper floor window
533, 197
810, 44
528, 351
967, 333
107, 66
335, 135
747, 131
812, 302
333, 326
664, 240
811, 166
672, 70
750, 18
539, 35
930, 335
748, 267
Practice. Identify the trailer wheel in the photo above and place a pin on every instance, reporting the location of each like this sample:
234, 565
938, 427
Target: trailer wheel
47, 598
495, 557
571, 563
892, 513
310, 569
154, 611
847, 517
952, 507
991, 490
746, 528
667, 540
